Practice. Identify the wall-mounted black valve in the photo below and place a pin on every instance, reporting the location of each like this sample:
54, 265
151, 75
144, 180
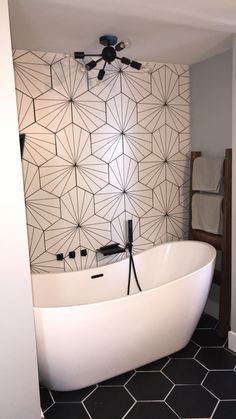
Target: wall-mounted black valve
111, 249
60, 256
83, 252
72, 254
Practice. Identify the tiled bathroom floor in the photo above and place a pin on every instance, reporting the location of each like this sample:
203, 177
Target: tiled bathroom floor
196, 382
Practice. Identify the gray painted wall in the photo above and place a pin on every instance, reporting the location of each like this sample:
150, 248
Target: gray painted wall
211, 112
211, 119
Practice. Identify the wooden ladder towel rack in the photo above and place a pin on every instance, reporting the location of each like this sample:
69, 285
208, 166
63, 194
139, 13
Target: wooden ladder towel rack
221, 242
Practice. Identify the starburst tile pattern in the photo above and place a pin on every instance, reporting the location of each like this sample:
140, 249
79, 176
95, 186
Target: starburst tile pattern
25, 108
67, 78
40, 260
78, 225
98, 153
166, 162
110, 85
74, 164
39, 144
165, 105
124, 193
32, 75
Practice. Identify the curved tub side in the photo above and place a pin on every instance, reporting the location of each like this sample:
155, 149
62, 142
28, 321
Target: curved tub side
81, 345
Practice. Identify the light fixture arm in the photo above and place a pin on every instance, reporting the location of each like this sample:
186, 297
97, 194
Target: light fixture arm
109, 54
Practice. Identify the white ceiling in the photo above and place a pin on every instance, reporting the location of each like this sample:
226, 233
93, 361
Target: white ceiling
174, 31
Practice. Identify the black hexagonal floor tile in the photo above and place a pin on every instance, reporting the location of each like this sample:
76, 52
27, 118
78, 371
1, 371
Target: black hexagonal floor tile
109, 402
149, 386
120, 380
185, 371
207, 322
222, 384
208, 337
187, 352
225, 410
153, 410
154, 366
216, 358
72, 396
66, 411
45, 398
191, 401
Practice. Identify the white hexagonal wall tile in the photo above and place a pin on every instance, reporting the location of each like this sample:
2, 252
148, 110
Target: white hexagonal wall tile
25, 110
40, 260
135, 84
110, 85
107, 143
32, 75
121, 113
42, 209
68, 79
49, 57
151, 113
74, 146
74, 165
88, 111
53, 110
98, 153
79, 226
166, 201
124, 193
40, 145
31, 178
165, 84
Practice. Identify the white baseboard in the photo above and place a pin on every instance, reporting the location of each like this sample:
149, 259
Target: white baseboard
232, 341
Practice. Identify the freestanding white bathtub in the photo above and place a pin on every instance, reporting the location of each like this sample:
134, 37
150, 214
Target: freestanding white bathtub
89, 330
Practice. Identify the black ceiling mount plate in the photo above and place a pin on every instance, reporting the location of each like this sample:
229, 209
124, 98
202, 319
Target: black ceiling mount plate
107, 40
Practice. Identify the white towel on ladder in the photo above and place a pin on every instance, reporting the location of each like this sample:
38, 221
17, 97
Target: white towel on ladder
207, 174
207, 212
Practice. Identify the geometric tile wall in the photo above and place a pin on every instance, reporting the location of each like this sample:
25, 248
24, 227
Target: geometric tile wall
99, 153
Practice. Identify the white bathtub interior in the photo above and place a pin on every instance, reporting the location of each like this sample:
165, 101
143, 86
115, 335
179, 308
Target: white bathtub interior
153, 269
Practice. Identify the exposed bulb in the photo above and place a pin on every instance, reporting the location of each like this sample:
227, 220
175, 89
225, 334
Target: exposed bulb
127, 43
122, 45
146, 69
82, 68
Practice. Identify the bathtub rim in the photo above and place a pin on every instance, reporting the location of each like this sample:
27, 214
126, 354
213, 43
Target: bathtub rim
73, 306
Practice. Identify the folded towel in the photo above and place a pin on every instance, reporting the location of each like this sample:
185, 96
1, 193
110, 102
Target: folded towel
207, 212
207, 174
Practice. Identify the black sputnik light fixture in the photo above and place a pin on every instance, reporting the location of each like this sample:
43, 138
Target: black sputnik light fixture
109, 54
